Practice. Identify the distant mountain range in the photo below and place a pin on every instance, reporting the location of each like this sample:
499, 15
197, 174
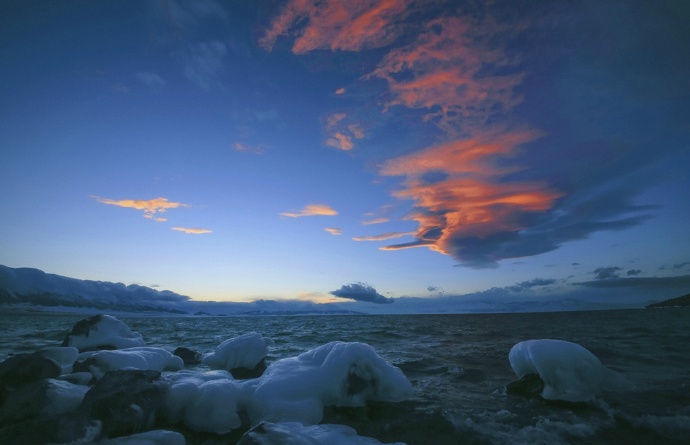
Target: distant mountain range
35, 290
683, 301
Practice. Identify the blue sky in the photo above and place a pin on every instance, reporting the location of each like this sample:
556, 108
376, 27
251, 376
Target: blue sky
282, 150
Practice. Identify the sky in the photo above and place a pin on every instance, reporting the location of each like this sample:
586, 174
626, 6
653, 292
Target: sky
339, 150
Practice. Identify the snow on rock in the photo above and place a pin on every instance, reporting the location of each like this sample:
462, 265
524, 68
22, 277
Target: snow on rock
204, 401
334, 374
62, 397
145, 358
245, 351
64, 355
294, 433
154, 437
102, 332
569, 371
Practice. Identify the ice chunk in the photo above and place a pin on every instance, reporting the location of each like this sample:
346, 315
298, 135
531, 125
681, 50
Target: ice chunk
205, 401
62, 397
145, 358
102, 332
245, 351
154, 437
294, 433
64, 355
569, 371
337, 373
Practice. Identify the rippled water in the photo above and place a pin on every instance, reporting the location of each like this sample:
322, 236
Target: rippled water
459, 366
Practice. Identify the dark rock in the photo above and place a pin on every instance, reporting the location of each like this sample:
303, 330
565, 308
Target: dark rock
188, 356
23, 369
125, 401
33, 432
530, 385
246, 373
24, 403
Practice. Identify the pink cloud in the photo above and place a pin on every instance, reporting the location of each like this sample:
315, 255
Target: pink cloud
312, 210
348, 25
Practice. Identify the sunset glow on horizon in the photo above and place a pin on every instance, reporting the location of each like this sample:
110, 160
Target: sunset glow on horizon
284, 150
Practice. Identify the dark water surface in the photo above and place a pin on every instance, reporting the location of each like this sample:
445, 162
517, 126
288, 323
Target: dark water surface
458, 365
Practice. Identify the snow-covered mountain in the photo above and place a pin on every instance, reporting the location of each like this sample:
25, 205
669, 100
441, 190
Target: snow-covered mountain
26, 288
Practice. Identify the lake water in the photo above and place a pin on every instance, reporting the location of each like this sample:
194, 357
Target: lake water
458, 365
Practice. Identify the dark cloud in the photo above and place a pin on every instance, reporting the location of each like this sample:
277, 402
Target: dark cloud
633, 272
681, 281
681, 265
527, 285
361, 292
606, 273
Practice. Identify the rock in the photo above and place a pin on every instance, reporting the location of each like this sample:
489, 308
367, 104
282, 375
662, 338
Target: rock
125, 401
188, 356
246, 373
23, 369
30, 432
24, 403
530, 385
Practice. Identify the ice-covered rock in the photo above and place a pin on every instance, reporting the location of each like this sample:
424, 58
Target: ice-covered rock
205, 401
64, 355
153, 437
246, 351
142, 358
188, 356
334, 374
46, 398
294, 433
569, 371
102, 332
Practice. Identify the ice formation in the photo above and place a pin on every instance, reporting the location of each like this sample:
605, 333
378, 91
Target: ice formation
62, 397
204, 401
334, 374
245, 351
297, 434
143, 358
153, 437
569, 371
64, 355
102, 332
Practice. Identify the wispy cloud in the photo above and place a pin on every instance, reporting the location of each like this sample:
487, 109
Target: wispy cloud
241, 147
192, 230
333, 230
151, 80
337, 25
312, 210
205, 63
383, 236
150, 207
375, 221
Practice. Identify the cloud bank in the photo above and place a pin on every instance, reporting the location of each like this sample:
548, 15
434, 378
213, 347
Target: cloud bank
361, 292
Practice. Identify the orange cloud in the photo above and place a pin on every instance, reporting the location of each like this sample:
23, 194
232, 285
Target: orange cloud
383, 236
469, 200
348, 25
333, 231
150, 207
312, 210
340, 91
445, 72
193, 231
342, 137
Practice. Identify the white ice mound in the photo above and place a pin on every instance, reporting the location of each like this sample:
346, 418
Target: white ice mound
295, 433
569, 371
62, 397
334, 374
245, 351
102, 332
145, 358
205, 401
64, 355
